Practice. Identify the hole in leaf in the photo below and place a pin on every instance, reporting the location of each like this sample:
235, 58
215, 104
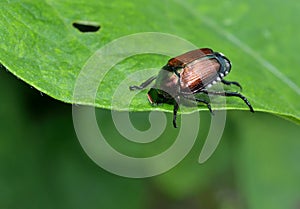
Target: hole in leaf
85, 27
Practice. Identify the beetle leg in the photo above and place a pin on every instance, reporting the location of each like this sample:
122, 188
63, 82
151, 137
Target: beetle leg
200, 100
231, 94
176, 106
232, 82
205, 102
143, 85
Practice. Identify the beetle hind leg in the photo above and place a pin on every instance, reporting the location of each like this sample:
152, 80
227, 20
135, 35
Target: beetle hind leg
231, 94
228, 83
143, 85
236, 94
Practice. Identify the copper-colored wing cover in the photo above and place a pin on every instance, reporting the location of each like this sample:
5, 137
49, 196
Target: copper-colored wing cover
198, 74
182, 60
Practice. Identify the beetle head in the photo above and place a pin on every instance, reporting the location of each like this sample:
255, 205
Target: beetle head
157, 96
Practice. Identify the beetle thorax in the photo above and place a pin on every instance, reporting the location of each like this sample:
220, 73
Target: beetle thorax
168, 82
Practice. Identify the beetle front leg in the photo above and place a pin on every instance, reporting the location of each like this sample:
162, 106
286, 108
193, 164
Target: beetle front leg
176, 106
143, 85
175, 109
231, 94
231, 83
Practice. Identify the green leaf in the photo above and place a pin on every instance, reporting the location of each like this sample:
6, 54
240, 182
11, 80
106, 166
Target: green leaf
267, 169
40, 46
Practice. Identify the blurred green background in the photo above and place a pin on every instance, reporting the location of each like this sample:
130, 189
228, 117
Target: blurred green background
42, 164
256, 165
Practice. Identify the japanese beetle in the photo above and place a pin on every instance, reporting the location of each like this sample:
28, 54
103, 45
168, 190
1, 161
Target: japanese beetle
191, 73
